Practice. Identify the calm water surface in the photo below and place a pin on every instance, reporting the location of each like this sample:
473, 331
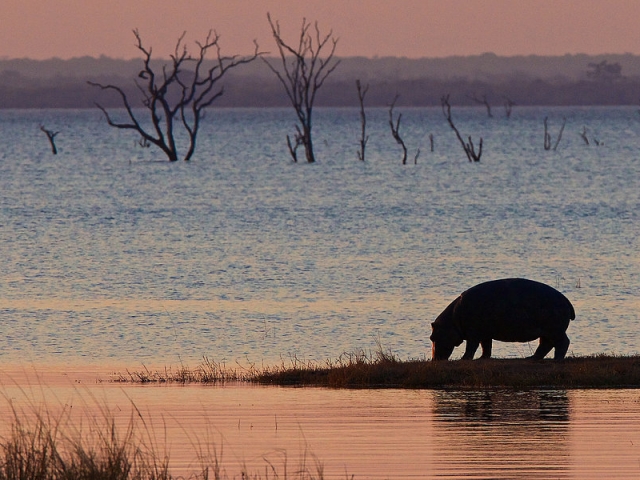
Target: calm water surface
378, 434
109, 254
112, 257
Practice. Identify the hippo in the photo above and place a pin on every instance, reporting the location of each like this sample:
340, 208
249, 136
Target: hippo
508, 310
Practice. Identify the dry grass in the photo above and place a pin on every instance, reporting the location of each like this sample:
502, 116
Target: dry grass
381, 369
598, 371
207, 372
45, 447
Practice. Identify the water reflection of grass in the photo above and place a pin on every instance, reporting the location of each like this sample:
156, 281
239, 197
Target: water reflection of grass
381, 369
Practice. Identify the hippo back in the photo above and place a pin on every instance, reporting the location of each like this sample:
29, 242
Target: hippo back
513, 310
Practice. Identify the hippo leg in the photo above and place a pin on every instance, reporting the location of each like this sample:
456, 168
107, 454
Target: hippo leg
561, 347
544, 347
486, 348
472, 346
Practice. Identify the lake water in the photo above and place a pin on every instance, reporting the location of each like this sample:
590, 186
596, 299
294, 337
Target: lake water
370, 434
112, 257
110, 254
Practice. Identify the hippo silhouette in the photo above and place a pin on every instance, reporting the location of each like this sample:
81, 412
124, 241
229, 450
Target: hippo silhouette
508, 310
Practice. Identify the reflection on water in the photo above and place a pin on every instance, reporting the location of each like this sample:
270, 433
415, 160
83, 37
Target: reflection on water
502, 434
371, 434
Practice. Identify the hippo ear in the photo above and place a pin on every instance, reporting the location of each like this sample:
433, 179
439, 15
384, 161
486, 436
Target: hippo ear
433, 325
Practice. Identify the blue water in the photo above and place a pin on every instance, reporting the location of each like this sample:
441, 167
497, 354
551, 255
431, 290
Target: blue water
109, 254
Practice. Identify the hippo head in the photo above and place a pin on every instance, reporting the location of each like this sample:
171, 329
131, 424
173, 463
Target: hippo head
444, 339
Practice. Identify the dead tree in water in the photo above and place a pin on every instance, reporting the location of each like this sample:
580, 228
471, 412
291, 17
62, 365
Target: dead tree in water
177, 94
547, 136
303, 73
482, 101
395, 132
364, 138
469, 148
51, 135
508, 106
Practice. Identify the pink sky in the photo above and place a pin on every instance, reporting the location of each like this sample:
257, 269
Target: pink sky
413, 28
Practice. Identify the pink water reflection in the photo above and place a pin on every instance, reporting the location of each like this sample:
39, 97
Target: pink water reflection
367, 433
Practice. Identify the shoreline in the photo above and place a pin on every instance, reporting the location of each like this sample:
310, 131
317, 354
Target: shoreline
354, 371
382, 370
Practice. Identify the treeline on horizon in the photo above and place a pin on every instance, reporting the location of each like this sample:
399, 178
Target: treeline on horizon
527, 81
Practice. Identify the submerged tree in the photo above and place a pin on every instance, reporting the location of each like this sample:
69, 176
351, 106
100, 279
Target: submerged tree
364, 138
177, 95
547, 136
303, 72
482, 101
468, 147
395, 132
51, 135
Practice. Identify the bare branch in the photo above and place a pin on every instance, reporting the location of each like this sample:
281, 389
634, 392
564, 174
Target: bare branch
564, 122
364, 138
508, 106
180, 93
482, 101
584, 135
51, 135
547, 136
302, 73
468, 147
395, 130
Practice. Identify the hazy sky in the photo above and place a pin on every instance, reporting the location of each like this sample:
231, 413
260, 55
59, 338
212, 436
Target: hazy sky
412, 28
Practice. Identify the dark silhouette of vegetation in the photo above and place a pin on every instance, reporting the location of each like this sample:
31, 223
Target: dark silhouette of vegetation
395, 132
604, 71
382, 369
547, 136
483, 101
364, 138
51, 135
302, 74
41, 445
176, 94
584, 135
367, 370
508, 106
469, 148
562, 81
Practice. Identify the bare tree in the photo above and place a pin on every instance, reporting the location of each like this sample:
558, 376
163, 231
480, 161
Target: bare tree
482, 101
547, 136
364, 138
395, 132
584, 135
302, 73
508, 106
176, 95
469, 148
51, 135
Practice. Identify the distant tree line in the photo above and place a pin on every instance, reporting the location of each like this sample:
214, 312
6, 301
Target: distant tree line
245, 91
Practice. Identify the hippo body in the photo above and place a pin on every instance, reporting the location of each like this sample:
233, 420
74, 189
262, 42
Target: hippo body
508, 310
